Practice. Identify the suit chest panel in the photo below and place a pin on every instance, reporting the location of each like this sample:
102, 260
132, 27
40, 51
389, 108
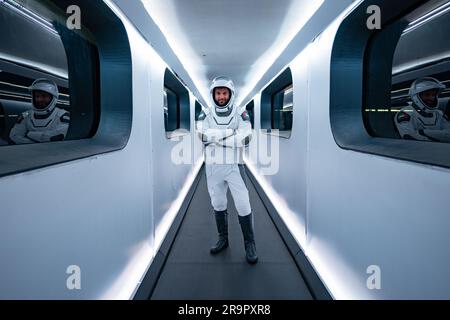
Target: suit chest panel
42, 124
427, 123
230, 123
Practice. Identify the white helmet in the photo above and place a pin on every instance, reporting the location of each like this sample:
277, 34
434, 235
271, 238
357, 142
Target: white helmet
223, 82
49, 87
422, 85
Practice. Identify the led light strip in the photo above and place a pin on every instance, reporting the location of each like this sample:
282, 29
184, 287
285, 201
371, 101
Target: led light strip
443, 81
13, 85
15, 96
3, 94
290, 90
267, 60
23, 87
179, 51
20, 9
428, 17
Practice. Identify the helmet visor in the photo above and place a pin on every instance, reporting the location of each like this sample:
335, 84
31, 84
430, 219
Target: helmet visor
429, 98
41, 99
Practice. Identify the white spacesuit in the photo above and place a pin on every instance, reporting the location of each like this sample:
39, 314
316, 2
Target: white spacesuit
44, 122
225, 132
423, 120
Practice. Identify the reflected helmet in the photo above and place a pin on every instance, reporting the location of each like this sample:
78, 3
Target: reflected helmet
223, 82
47, 86
425, 84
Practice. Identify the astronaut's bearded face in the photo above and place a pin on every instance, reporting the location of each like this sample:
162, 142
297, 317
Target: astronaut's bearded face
41, 99
430, 98
222, 96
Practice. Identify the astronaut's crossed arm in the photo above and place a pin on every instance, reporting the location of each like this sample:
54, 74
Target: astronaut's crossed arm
242, 136
210, 135
18, 133
442, 134
406, 128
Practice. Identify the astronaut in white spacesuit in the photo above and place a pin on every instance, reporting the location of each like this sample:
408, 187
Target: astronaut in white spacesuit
225, 132
423, 120
44, 122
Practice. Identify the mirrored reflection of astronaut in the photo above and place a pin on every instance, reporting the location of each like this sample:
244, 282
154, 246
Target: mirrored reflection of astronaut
44, 122
224, 128
423, 120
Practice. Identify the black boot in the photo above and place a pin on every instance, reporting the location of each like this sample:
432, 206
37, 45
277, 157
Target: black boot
222, 228
249, 238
